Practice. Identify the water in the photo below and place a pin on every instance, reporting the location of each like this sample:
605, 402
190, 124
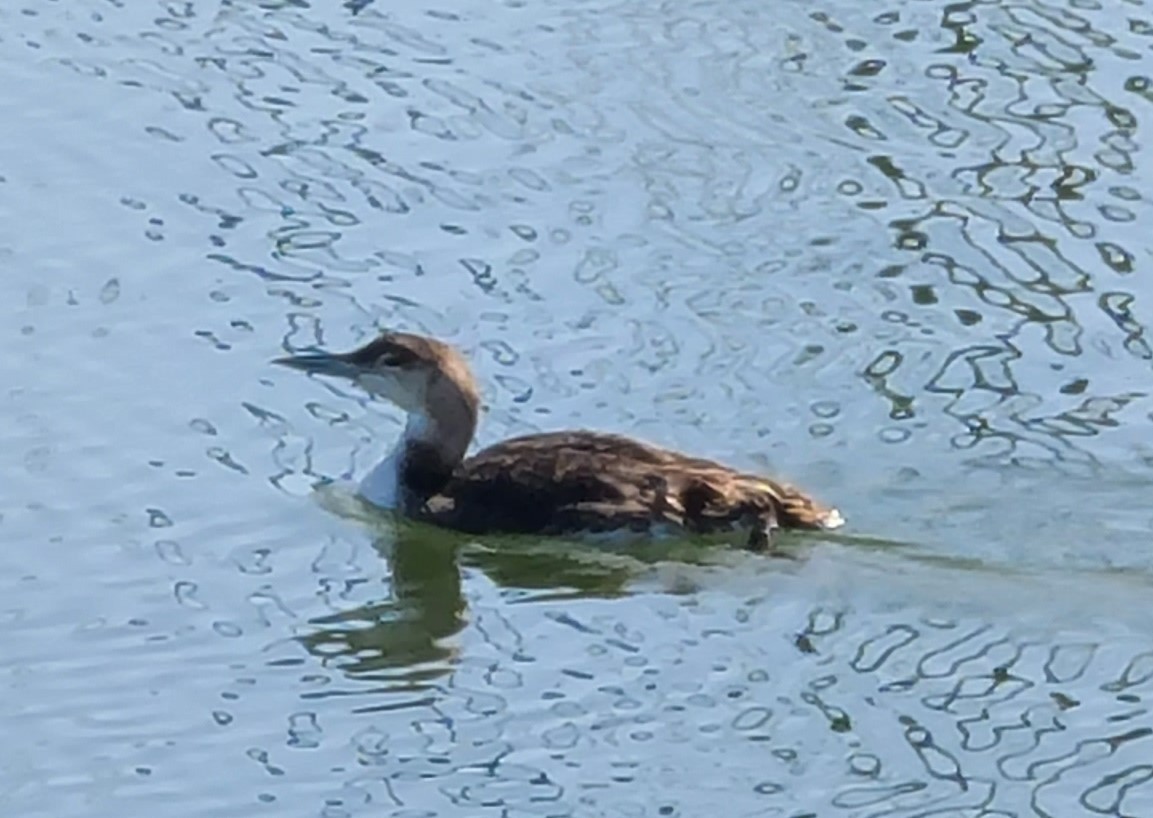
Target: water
891, 252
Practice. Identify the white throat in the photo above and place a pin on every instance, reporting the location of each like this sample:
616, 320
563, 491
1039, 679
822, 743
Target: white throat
382, 485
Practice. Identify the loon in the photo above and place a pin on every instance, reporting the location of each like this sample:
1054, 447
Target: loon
552, 483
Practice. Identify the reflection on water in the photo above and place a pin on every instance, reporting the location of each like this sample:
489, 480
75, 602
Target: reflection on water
850, 678
811, 688
892, 252
406, 633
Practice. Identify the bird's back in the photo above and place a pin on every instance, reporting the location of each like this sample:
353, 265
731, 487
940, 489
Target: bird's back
573, 482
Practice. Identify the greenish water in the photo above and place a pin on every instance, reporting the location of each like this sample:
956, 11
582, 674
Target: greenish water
893, 253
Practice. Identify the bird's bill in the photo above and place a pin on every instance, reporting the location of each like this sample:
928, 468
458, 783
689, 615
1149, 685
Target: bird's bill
332, 364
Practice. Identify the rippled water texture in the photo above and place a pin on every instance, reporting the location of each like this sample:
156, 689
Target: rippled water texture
891, 251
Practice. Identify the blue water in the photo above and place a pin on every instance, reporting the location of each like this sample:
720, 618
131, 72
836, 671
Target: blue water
893, 253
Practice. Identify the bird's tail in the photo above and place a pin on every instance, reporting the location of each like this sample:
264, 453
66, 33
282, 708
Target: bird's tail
796, 509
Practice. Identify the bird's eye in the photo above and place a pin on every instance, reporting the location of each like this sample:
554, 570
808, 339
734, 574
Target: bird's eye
398, 358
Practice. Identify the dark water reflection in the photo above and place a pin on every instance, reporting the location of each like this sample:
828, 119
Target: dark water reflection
893, 252
407, 631
755, 690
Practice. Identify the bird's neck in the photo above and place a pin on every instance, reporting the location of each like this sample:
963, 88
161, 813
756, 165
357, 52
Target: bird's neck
433, 445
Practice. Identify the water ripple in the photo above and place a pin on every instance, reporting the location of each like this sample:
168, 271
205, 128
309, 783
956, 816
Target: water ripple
892, 252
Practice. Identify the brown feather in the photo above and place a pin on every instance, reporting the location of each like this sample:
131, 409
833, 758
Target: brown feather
561, 482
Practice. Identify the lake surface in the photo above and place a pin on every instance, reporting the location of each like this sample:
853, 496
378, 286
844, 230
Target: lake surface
892, 251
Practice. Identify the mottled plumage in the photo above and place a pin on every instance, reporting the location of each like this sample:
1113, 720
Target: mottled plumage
552, 483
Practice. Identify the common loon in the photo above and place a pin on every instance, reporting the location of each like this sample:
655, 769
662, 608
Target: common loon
554, 483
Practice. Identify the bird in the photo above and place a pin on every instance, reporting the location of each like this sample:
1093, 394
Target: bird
558, 483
